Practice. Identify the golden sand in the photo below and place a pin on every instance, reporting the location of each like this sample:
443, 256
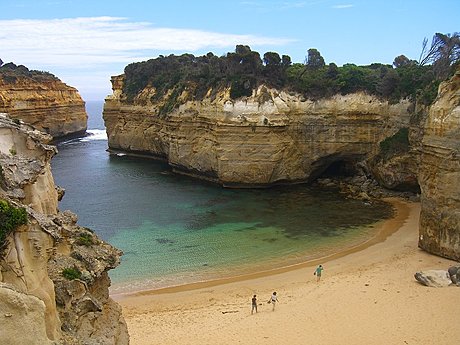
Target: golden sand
367, 295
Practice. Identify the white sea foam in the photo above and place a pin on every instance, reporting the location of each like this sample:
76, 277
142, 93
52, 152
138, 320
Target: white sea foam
95, 134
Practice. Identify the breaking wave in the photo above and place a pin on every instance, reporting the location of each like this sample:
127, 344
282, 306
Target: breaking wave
95, 134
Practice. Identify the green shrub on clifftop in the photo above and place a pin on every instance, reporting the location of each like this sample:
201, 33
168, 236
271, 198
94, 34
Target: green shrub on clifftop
10, 72
243, 70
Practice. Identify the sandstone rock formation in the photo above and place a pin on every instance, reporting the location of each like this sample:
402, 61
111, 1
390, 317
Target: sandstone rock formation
38, 297
269, 138
439, 174
23, 318
397, 173
47, 103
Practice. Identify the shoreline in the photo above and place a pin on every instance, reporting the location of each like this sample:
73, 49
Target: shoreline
367, 296
384, 229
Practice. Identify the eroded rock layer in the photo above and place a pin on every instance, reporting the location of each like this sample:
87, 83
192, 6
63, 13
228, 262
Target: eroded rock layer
53, 273
271, 137
49, 105
439, 175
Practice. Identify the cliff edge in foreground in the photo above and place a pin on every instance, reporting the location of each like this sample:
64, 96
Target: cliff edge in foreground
53, 272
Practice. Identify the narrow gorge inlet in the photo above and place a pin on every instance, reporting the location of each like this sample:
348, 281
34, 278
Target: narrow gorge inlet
172, 171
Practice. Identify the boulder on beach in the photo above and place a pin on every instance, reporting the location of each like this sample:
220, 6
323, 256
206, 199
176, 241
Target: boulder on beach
439, 278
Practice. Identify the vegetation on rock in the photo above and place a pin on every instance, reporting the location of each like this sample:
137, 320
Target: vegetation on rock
443, 54
71, 273
10, 72
85, 239
244, 69
396, 144
10, 218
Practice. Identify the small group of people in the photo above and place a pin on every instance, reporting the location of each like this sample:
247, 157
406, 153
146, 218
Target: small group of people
274, 298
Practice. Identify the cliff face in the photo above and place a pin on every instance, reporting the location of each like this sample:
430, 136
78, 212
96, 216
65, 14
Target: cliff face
38, 304
439, 174
49, 105
268, 138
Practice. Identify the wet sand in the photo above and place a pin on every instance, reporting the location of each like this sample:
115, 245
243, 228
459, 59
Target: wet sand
367, 295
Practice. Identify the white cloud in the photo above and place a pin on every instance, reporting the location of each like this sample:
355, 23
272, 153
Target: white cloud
74, 42
280, 5
298, 4
85, 52
339, 7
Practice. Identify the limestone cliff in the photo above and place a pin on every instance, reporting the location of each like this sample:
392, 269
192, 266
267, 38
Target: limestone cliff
268, 138
39, 304
46, 102
439, 175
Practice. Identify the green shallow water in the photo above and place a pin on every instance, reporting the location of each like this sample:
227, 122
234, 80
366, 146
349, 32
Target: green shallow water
175, 230
224, 233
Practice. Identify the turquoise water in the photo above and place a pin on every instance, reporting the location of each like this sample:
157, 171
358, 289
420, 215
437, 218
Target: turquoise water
175, 229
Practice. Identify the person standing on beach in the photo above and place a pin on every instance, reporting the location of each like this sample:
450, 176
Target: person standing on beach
273, 300
254, 304
317, 272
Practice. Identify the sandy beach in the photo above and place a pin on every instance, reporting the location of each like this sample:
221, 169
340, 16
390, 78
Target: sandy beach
367, 295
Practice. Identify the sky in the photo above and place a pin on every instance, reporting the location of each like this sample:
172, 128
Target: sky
85, 42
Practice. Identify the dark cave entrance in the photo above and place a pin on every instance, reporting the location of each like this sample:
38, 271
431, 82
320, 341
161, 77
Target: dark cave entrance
336, 168
340, 168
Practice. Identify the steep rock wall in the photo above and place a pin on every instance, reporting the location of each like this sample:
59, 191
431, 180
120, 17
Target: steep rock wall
76, 311
439, 174
50, 106
17, 308
271, 137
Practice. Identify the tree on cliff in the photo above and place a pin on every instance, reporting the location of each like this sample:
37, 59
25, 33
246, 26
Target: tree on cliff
401, 61
286, 60
244, 67
443, 54
272, 59
274, 69
244, 61
313, 63
314, 60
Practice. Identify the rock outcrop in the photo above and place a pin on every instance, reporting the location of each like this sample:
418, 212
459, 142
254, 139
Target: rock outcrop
454, 274
53, 272
439, 174
269, 138
433, 278
398, 173
46, 103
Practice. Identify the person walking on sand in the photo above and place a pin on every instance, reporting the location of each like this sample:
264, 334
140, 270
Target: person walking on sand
317, 272
254, 304
273, 299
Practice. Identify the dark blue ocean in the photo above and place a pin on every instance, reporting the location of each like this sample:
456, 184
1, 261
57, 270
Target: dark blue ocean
176, 230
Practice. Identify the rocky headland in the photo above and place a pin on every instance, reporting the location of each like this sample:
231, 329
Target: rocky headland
41, 100
268, 138
53, 272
